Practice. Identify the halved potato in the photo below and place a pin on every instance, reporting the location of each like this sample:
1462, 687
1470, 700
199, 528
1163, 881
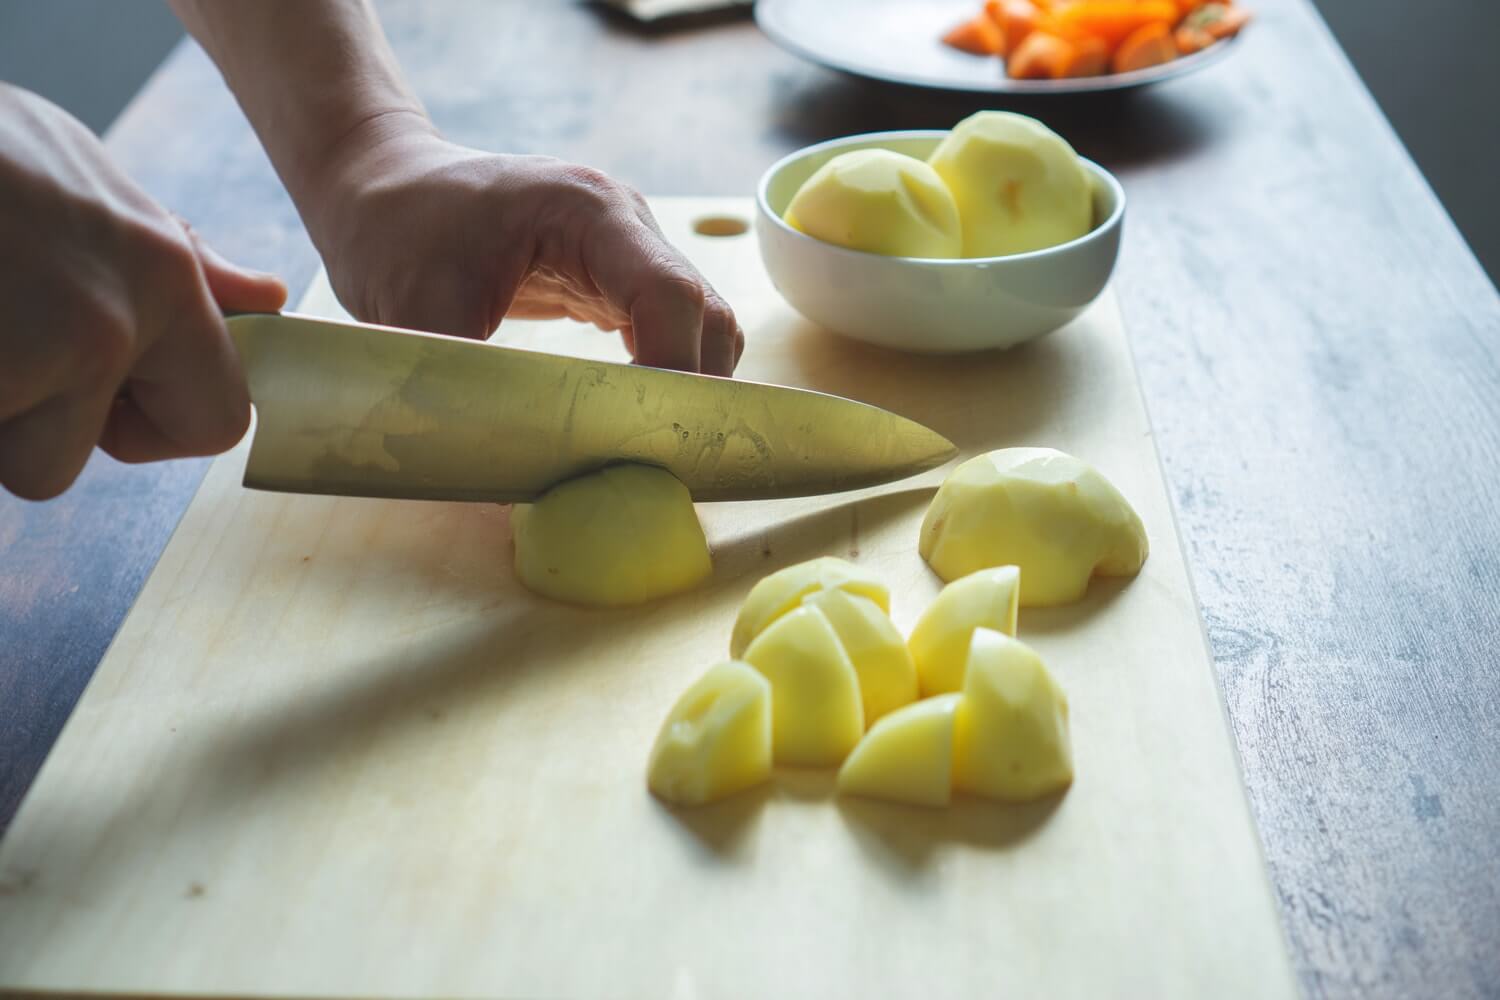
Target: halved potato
624, 535
1018, 185
1051, 514
878, 201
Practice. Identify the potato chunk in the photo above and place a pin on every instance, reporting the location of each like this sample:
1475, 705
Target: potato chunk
939, 643
783, 590
1018, 185
887, 677
878, 201
1010, 732
1054, 516
816, 712
624, 535
716, 740
906, 756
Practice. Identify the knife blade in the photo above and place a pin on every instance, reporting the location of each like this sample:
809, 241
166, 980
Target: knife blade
355, 409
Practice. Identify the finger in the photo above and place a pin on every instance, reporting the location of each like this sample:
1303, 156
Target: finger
64, 337
43, 450
640, 274
722, 340
235, 288
189, 384
130, 436
191, 388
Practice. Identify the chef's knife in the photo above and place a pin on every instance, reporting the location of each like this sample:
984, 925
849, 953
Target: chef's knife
360, 410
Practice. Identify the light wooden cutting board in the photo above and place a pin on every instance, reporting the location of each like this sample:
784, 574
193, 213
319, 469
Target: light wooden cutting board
337, 750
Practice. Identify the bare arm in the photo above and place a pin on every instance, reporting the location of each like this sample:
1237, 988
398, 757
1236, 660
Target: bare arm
316, 78
419, 232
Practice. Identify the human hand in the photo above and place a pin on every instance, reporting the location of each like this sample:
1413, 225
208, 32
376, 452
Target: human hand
111, 329
418, 232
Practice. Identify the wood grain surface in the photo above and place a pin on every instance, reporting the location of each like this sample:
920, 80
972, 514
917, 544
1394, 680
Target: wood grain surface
1316, 346
353, 704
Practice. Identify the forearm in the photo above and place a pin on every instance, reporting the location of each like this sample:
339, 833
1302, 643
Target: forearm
316, 78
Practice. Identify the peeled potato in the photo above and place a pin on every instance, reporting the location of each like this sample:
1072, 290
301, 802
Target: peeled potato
817, 716
1010, 732
939, 643
783, 590
1049, 513
878, 201
623, 535
906, 756
716, 740
1018, 185
887, 677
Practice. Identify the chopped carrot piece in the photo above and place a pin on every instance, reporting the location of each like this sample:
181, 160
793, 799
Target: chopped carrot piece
1114, 20
1091, 58
1186, 7
1150, 45
1041, 56
1217, 19
980, 36
1229, 22
1017, 18
1190, 39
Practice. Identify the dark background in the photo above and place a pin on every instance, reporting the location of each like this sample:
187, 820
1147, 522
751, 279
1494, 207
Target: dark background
1428, 63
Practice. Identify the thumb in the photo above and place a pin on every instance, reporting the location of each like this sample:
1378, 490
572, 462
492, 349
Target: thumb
235, 288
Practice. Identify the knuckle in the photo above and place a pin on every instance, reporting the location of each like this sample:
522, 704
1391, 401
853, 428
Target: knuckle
682, 289
717, 311
590, 179
600, 193
165, 252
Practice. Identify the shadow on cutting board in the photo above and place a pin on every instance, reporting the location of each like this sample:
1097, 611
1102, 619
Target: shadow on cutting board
827, 531
1103, 590
406, 701
967, 398
902, 840
906, 839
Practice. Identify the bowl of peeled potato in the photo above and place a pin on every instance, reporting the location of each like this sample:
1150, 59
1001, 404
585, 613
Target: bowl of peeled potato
981, 237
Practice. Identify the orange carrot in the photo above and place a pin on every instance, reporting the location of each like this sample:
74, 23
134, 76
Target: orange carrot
1114, 20
1017, 18
1217, 19
980, 36
1149, 45
1190, 39
1091, 58
1041, 56
1186, 7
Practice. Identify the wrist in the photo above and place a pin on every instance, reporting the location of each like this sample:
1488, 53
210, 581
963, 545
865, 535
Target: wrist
357, 157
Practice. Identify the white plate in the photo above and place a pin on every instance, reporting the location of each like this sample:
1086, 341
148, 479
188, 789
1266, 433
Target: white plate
900, 41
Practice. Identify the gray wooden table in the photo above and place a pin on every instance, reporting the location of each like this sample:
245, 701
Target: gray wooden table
1319, 352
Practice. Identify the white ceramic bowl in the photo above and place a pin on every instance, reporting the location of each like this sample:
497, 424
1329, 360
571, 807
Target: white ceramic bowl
922, 304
